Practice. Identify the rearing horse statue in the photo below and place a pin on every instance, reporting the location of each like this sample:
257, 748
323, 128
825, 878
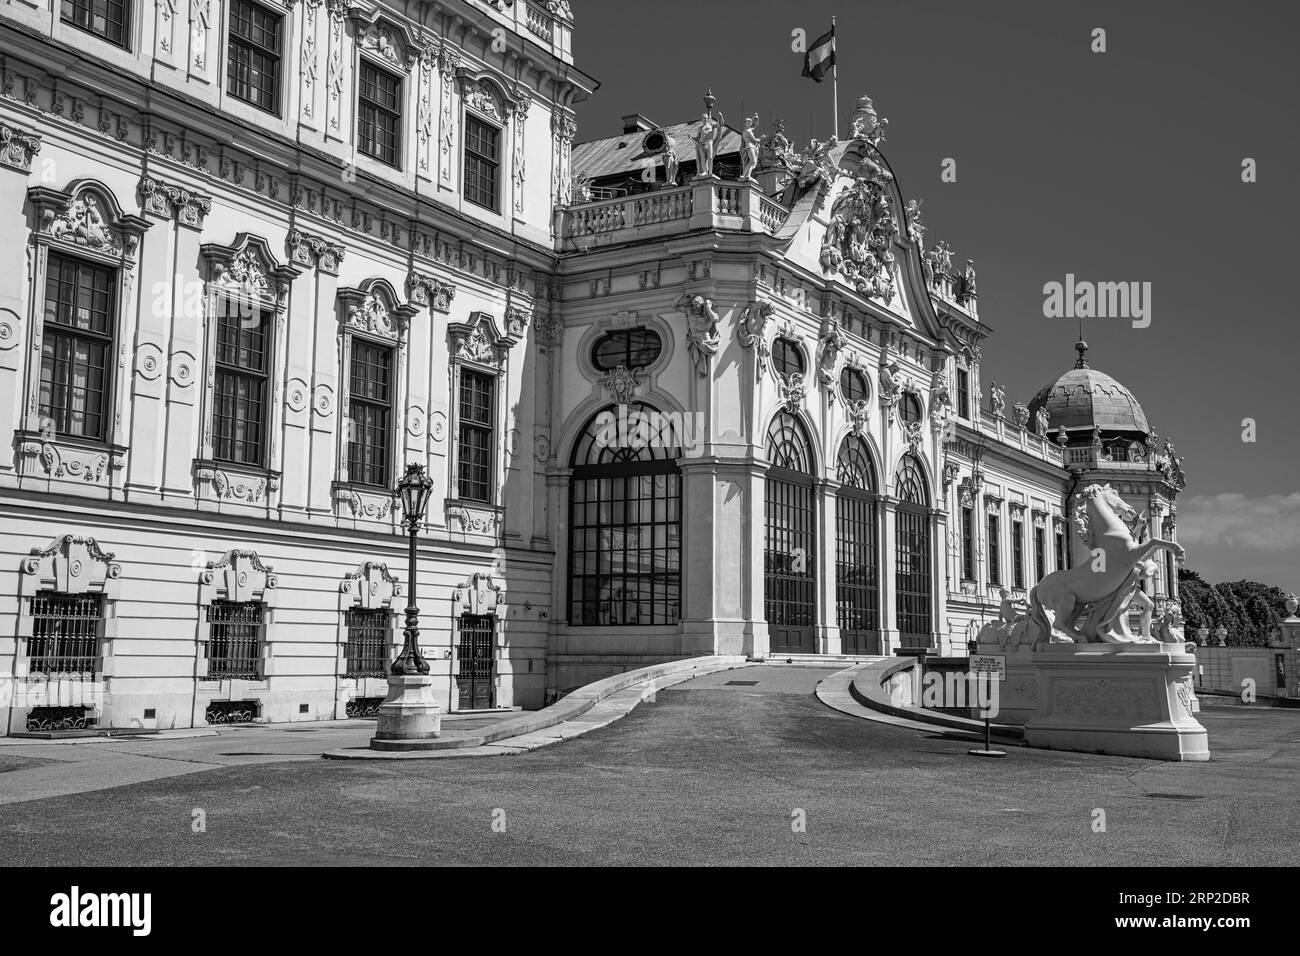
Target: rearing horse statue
1083, 604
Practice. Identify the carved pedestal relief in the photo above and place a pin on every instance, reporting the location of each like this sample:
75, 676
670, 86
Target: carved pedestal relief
563, 131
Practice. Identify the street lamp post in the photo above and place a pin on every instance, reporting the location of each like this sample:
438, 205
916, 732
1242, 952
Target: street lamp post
409, 717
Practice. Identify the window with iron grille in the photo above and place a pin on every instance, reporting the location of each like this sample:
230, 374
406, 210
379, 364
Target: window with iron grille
624, 530
235, 639
995, 549
1018, 553
963, 393
65, 633
370, 407
369, 636
853, 385
786, 357
254, 71
474, 448
77, 346
1040, 553
482, 162
239, 393
968, 543
632, 348
1061, 554
379, 114
106, 19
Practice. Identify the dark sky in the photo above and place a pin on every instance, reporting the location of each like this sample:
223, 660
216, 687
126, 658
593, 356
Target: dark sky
1118, 166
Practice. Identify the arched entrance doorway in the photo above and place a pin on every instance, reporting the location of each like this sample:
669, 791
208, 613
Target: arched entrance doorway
857, 551
790, 541
913, 580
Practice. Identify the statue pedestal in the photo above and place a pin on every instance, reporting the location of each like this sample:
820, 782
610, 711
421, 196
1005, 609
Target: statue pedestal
1132, 700
409, 717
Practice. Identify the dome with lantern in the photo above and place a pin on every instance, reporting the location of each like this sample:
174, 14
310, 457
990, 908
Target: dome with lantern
1085, 401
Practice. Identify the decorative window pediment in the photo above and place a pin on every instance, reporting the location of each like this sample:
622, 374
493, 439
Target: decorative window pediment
238, 576
72, 564
370, 586
88, 218
389, 41
248, 270
479, 594
374, 308
480, 341
482, 92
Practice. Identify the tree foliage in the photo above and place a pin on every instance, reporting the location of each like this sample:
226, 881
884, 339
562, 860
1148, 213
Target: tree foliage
1249, 610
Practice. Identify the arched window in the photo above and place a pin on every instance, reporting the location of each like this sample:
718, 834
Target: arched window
633, 348
913, 580
625, 520
787, 357
790, 542
857, 553
853, 385
910, 408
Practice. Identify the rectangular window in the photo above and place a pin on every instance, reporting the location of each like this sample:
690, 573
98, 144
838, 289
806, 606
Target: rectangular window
995, 550
239, 395
1018, 554
1040, 553
474, 448
370, 412
1061, 558
379, 114
77, 347
106, 19
968, 544
482, 162
963, 393
254, 71
65, 633
369, 632
235, 639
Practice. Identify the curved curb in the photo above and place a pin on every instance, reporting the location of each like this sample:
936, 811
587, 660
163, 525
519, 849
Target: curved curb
860, 688
527, 731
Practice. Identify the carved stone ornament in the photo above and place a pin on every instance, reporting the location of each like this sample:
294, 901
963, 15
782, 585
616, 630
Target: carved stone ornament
424, 289
17, 147
832, 343
479, 594
371, 314
314, 251
479, 341
517, 321
753, 332
702, 337
1021, 411
239, 576
247, 268
164, 199
549, 330
792, 390
860, 236
87, 216
892, 383
997, 399
858, 412
370, 586
622, 383
912, 435
471, 521
73, 564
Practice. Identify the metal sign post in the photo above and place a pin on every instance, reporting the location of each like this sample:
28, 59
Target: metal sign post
990, 667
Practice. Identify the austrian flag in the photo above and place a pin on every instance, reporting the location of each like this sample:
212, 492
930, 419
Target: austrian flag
820, 56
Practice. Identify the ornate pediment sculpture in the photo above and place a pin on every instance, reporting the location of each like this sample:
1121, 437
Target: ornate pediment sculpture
859, 238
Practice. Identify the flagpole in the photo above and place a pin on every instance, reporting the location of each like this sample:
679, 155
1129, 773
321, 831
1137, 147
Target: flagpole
835, 86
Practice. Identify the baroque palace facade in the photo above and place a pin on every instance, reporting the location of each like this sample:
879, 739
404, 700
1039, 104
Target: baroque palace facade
695, 393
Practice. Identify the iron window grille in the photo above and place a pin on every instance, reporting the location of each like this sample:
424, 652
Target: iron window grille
624, 531
787, 358
995, 549
968, 543
1040, 553
857, 588
790, 534
379, 114
370, 405
77, 347
913, 582
632, 348
106, 19
482, 163
369, 637
254, 71
240, 387
235, 639
65, 633
474, 445
1018, 553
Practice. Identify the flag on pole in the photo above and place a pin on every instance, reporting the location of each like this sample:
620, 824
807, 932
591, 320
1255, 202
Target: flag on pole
820, 56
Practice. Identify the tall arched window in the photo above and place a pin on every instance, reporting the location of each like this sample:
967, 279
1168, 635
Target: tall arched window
857, 562
625, 520
790, 544
913, 580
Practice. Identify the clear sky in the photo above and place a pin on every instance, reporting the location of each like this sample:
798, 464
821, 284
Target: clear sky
1116, 166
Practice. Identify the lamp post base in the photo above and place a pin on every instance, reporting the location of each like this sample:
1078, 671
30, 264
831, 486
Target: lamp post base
409, 718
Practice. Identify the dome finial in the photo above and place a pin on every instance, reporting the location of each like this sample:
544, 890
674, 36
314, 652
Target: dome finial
1081, 347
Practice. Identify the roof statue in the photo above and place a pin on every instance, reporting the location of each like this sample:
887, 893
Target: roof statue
749, 150
706, 138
